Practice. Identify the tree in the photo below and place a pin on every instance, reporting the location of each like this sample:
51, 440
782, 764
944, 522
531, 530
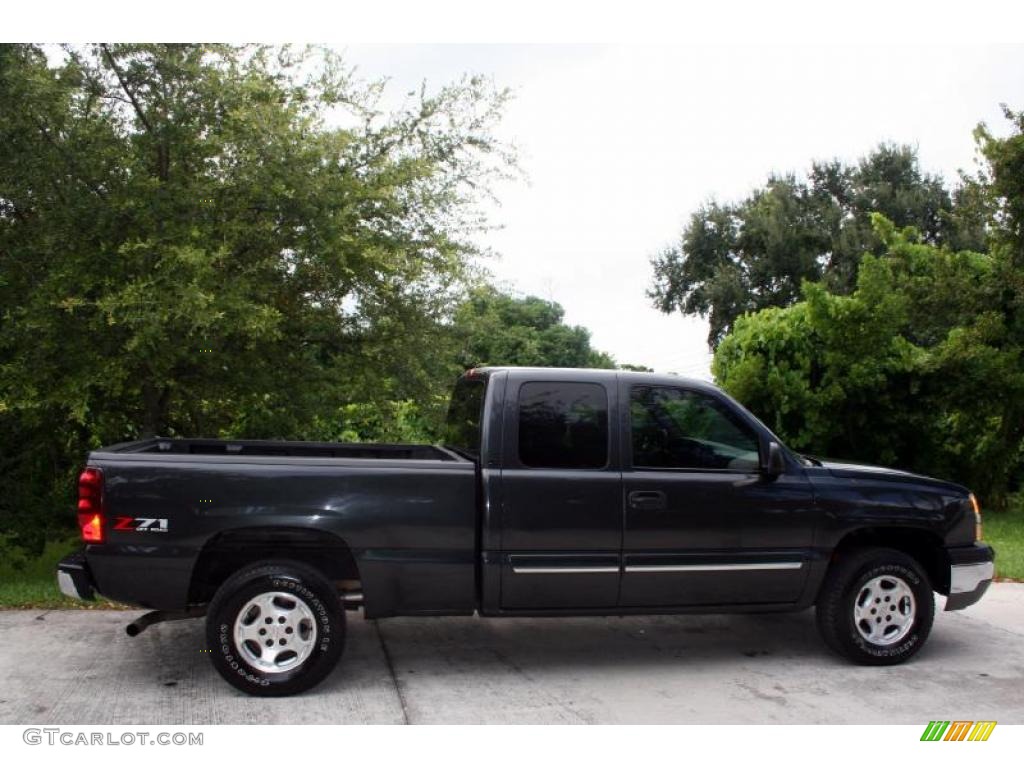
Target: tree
494, 328
188, 247
918, 367
743, 257
999, 189
1003, 180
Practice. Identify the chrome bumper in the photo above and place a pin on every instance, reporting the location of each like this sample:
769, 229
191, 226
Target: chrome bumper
67, 585
966, 578
74, 579
968, 581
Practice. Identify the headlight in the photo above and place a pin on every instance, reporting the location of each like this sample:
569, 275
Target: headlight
977, 517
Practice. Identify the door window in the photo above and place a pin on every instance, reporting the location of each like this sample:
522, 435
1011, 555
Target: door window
675, 428
563, 425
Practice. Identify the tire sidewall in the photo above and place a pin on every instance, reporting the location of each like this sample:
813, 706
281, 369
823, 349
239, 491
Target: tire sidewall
229, 660
909, 645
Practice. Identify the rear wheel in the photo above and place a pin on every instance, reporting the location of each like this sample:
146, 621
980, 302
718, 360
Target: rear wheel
275, 628
876, 606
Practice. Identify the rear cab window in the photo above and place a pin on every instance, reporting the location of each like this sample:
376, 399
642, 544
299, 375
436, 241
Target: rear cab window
563, 425
465, 412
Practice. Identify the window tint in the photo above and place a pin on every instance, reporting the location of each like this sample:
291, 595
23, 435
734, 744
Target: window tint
679, 429
462, 429
563, 425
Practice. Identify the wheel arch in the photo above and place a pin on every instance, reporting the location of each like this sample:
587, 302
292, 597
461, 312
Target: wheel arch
926, 547
226, 552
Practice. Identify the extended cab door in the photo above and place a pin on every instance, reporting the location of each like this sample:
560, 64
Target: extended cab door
561, 494
703, 524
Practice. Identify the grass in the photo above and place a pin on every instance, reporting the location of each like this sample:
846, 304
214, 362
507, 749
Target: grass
1005, 532
35, 584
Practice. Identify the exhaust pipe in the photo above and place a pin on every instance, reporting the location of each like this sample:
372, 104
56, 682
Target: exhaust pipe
156, 617
351, 599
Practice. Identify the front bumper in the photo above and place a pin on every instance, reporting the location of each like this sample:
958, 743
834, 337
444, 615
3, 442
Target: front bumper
970, 573
74, 578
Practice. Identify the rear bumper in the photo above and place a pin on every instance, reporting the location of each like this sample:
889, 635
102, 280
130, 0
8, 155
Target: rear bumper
74, 579
970, 573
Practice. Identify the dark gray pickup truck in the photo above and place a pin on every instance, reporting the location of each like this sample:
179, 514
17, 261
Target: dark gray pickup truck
555, 492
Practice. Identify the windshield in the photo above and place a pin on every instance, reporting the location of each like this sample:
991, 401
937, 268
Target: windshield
462, 428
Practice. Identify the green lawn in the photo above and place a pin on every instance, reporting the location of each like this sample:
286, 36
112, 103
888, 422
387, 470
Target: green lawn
1005, 532
35, 586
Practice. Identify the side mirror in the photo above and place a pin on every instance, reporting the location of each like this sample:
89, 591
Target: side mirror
774, 464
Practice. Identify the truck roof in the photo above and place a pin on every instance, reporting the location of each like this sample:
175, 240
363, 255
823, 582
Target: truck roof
593, 374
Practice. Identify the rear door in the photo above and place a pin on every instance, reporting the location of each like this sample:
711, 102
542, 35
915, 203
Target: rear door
561, 498
703, 524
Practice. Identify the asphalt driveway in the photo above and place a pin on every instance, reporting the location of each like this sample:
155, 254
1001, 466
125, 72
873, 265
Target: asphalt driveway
78, 667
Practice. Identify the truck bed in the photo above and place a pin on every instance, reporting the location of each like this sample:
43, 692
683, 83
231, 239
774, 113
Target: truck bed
407, 514
295, 448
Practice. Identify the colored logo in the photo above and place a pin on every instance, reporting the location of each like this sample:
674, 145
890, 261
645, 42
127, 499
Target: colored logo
958, 730
154, 524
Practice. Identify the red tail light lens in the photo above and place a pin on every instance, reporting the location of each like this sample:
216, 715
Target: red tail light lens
90, 505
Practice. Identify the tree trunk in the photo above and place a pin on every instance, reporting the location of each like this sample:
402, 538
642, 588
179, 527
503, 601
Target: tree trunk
154, 416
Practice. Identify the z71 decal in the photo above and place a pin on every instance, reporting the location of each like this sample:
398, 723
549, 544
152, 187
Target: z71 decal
152, 524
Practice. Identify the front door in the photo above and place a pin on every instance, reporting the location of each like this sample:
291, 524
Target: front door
703, 524
561, 507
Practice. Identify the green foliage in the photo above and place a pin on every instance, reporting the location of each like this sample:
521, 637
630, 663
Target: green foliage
917, 367
188, 248
747, 256
633, 367
919, 364
395, 421
1004, 181
494, 328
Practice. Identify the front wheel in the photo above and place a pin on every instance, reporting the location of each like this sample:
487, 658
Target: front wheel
876, 606
275, 628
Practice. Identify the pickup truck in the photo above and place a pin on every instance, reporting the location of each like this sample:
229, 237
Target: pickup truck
555, 492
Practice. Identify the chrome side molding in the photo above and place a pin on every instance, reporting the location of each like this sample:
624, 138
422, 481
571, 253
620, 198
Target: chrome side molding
569, 569
536, 569
714, 567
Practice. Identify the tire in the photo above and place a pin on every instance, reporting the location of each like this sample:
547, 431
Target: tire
275, 628
876, 606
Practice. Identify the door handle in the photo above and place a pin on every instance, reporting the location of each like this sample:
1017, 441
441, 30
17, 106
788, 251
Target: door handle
647, 500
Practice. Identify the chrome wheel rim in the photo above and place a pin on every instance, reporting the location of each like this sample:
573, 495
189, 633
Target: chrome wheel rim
884, 610
275, 632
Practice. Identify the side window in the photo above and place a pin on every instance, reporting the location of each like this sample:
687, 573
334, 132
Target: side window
563, 425
676, 428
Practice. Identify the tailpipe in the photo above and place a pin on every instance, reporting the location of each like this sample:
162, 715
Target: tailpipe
156, 617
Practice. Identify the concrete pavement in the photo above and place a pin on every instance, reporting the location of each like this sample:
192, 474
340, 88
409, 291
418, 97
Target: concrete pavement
79, 667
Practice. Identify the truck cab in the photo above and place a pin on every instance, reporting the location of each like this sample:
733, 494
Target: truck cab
630, 492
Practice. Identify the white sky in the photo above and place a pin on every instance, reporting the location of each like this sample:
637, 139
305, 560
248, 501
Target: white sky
622, 143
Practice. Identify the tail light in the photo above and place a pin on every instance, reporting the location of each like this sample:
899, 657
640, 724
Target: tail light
977, 517
90, 505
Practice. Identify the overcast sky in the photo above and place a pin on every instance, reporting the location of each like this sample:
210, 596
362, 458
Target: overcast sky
621, 144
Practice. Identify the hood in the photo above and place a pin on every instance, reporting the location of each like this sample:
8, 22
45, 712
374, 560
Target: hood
871, 472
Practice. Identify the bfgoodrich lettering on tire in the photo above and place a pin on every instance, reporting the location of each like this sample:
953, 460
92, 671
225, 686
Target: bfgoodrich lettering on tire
275, 628
876, 606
